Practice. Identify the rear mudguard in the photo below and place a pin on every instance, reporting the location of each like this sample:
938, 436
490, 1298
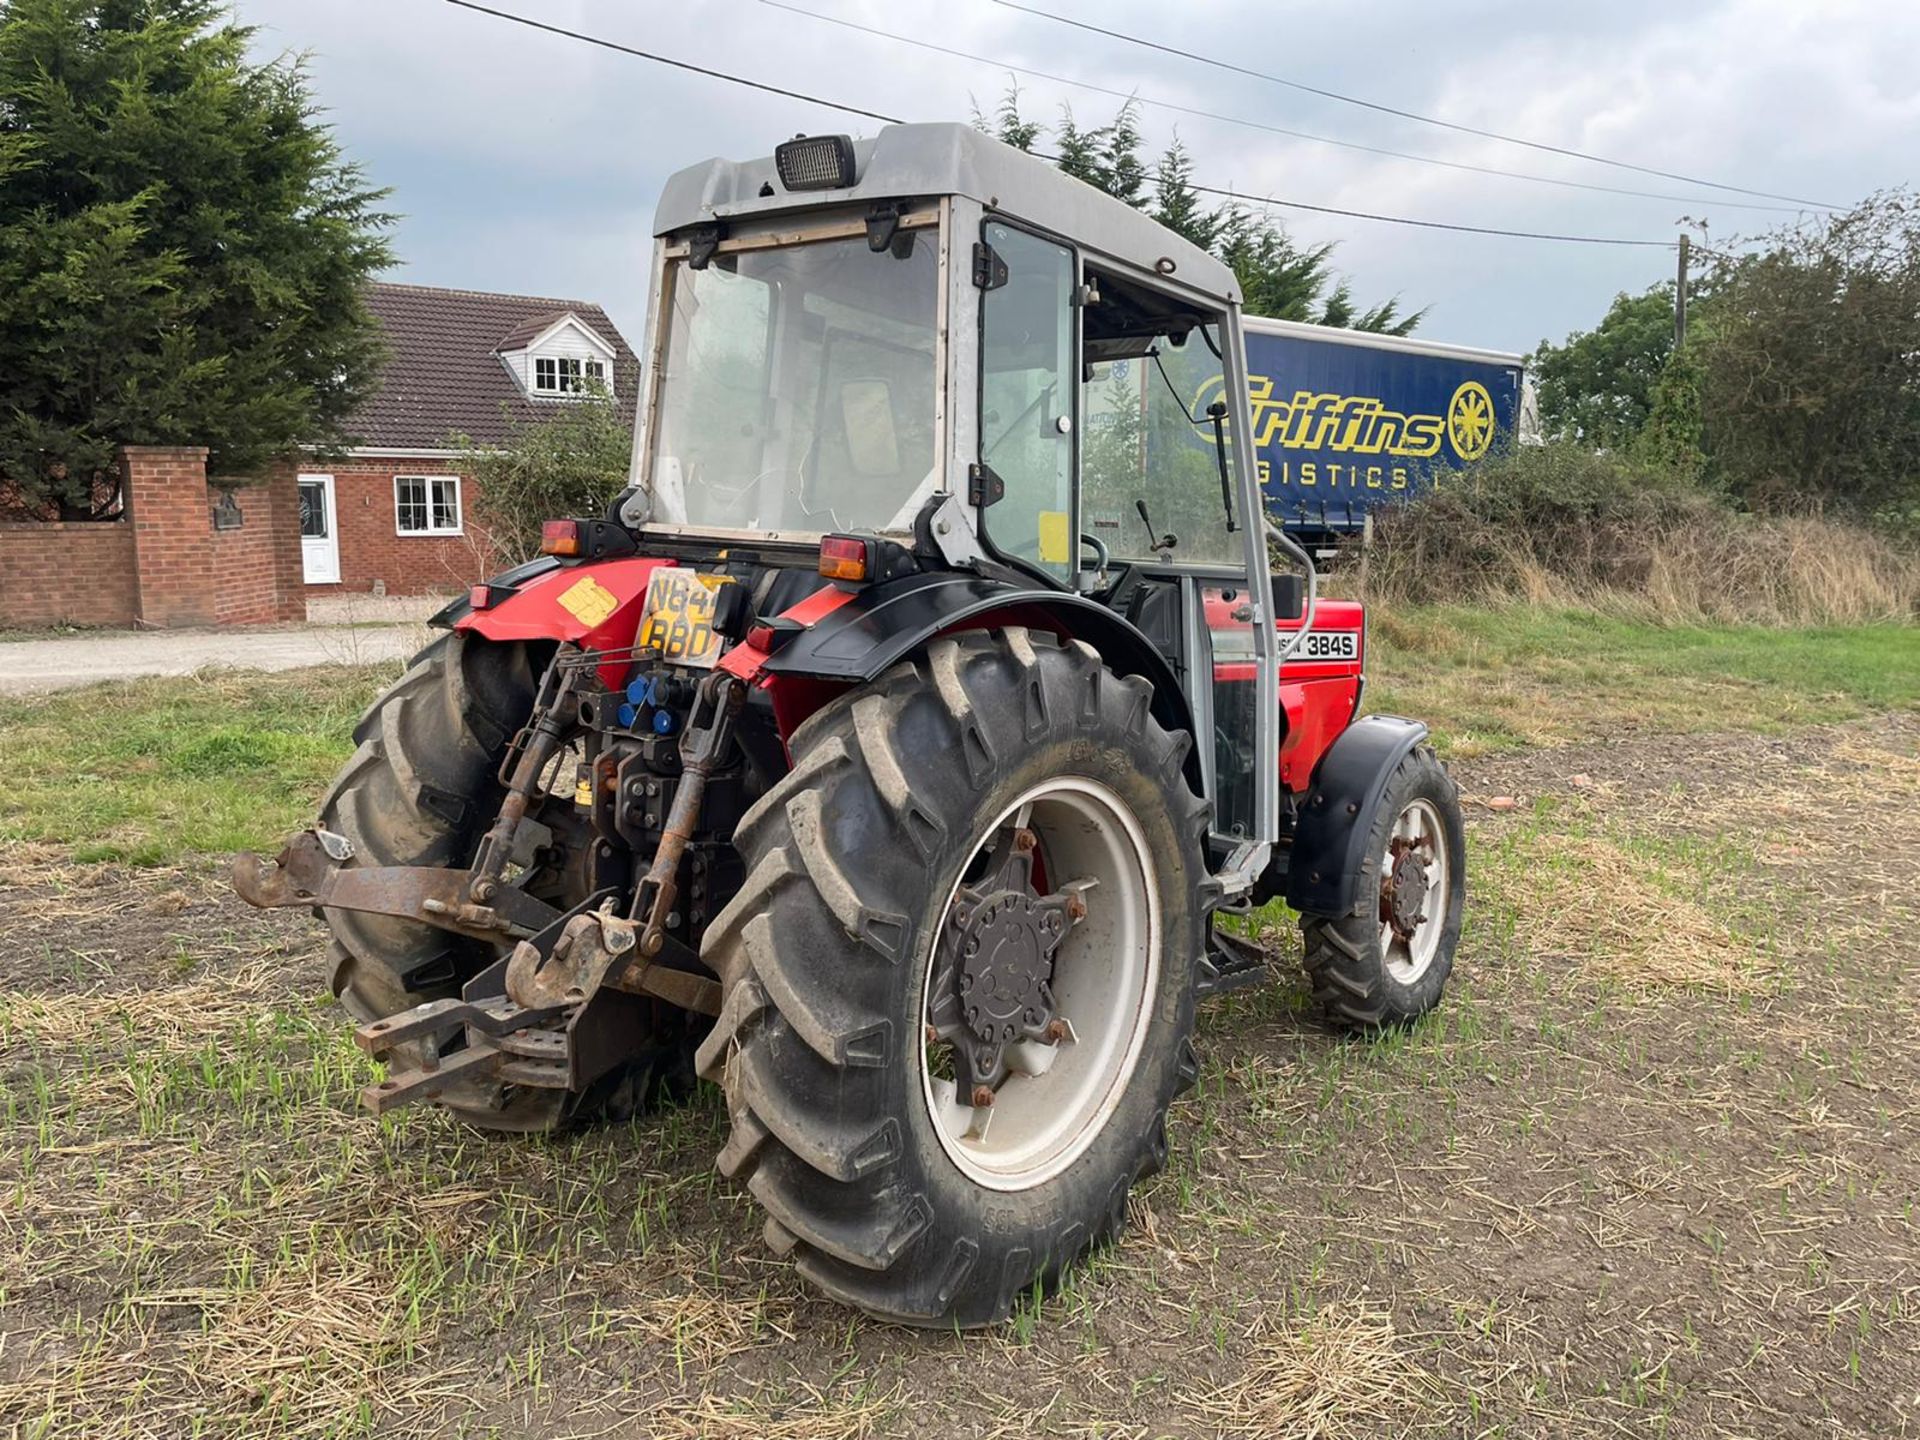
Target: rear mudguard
498, 590
881, 625
596, 605
847, 637
1336, 818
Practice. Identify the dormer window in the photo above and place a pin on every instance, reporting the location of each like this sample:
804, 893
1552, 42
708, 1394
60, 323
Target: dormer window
556, 356
561, 375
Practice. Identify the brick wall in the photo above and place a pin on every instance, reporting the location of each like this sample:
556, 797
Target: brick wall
66, 574
371, 547
164, 564
256, 569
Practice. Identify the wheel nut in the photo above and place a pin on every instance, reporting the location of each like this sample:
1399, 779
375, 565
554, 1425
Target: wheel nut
1023, 842
1076, 907
1055, 1032
982, 1096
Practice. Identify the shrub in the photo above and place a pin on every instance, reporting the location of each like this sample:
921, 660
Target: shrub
1561, 524
569, 461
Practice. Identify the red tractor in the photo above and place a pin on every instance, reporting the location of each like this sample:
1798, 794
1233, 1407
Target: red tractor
892, 749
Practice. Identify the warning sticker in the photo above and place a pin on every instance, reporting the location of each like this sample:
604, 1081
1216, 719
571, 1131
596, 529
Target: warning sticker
588, 601
1055, 545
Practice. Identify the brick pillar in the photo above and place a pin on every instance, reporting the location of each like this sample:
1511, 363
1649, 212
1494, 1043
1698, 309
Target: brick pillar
280, 493
165, 488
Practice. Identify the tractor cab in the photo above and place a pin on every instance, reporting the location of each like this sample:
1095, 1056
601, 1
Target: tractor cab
930, 334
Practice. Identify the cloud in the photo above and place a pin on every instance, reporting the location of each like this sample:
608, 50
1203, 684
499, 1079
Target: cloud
527, 161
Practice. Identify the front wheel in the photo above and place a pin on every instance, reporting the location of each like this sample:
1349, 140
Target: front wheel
959, 979
1388, 964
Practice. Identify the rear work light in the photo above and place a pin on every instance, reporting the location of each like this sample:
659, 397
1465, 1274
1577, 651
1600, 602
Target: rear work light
843, 557
815, 162
560, 537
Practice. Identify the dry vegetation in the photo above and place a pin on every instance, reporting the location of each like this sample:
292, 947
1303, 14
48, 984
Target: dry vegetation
1651, 1171
1561, 527
1792, 571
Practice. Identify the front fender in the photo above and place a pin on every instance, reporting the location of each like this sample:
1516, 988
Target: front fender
1330, 840
883, 624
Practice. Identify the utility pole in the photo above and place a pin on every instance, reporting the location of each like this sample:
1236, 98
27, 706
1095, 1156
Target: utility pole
1680, 294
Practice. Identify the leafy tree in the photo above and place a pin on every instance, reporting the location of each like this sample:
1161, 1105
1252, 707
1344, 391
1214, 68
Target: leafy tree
1809, 363
1673, 438
1278, 278
570, 460
1598, 385
1007, 126
1177, 204
182, 249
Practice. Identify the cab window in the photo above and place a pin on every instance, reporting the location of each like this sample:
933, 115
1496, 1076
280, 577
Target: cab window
1152, 372
1027, 391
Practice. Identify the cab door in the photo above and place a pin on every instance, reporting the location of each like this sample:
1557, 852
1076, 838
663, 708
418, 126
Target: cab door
1023, 480
1151, 492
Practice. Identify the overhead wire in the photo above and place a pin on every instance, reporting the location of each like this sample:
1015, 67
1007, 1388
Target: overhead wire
1251, 199
606, 44
1136, 98
1384, 109
613, 45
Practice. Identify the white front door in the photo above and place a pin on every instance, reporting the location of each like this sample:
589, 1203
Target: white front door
319, 535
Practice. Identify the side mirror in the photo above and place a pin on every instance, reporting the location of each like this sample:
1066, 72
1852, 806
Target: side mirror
1289, 596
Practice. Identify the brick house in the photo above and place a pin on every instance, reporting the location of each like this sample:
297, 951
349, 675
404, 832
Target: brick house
393, 515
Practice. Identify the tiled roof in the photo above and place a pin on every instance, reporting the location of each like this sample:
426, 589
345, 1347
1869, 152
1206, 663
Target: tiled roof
444, 375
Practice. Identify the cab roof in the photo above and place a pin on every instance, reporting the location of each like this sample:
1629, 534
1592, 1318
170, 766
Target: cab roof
907, 161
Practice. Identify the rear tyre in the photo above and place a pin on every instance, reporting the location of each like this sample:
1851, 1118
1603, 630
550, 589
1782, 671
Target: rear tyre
1388, 965
421, 789
857, 1026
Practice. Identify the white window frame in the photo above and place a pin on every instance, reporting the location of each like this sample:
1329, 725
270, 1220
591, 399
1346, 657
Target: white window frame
428, 481
563, 388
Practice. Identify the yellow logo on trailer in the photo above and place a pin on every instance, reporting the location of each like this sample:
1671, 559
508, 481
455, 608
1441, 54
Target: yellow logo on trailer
1470, 420
1363, 425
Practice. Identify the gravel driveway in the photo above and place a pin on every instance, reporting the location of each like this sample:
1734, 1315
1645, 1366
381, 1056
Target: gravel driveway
31, 666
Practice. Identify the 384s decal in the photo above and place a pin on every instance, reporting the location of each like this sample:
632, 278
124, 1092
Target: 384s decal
1329, 645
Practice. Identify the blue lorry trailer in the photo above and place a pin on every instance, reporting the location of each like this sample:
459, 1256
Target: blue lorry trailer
1345, 421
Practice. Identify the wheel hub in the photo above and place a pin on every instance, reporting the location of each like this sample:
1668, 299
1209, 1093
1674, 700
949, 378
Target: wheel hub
1403, 894
1006, 956
998, 958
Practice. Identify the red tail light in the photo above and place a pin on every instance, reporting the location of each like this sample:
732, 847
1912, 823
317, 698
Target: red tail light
843, 557
560, 537
479, 597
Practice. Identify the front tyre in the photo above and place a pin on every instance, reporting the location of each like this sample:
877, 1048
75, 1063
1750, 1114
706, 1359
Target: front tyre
1389, 963
959, 977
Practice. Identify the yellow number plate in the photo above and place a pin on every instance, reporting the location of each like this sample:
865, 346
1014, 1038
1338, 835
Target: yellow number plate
678, 618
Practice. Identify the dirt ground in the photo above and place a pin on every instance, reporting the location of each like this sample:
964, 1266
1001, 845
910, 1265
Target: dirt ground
1651, 1170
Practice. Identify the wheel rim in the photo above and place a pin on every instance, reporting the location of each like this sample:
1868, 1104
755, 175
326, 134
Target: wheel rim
1415, 889
1079, 1016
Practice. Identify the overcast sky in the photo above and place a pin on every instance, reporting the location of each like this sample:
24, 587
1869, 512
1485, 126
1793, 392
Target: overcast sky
528, 162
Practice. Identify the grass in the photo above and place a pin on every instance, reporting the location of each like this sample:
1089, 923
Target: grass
1504, 677
1650, 1169
150, 770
